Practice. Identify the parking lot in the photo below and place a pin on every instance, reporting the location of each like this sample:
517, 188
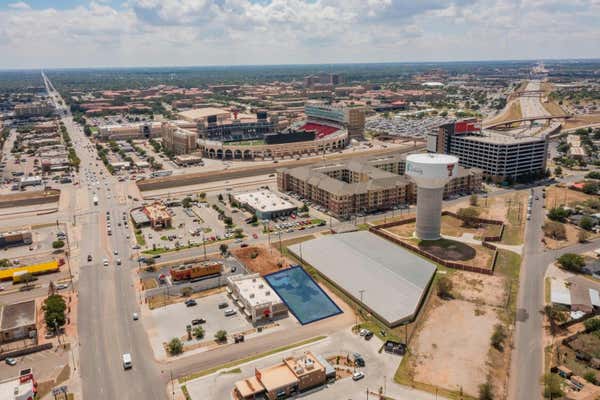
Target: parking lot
379, 371
165, 323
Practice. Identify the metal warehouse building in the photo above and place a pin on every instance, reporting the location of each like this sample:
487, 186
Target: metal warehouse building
391, 281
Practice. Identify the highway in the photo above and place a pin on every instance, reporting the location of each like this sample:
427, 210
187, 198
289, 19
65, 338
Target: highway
107, 297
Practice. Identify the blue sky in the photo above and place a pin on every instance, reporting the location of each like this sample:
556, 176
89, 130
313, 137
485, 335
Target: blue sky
78, 33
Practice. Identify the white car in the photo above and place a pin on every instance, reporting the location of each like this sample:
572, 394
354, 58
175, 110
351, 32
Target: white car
229, 312
105, 262
358, 375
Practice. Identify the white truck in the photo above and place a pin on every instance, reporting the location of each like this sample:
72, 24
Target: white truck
95, 200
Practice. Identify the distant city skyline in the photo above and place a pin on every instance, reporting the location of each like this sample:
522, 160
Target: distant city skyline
153, 33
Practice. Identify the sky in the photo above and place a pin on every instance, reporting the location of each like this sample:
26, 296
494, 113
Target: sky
122, 33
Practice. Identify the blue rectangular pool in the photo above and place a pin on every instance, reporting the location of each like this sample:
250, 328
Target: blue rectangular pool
302, 295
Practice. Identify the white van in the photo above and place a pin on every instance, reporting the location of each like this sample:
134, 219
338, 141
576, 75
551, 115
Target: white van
127, 364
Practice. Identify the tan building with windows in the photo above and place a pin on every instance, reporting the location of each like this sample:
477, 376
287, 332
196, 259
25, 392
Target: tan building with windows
178, 140
292, 376
351, 187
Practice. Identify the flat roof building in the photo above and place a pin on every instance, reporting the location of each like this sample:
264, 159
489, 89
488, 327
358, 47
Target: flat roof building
202, 114
265, 204
178, 140
256, 299
292, 376
500, 155
393, 281
18, 321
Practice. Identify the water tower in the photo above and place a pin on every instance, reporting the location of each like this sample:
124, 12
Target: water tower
430, 172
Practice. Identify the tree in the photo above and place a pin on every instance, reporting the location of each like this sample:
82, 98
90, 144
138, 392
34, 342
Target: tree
555, 230
590, 376
304, 207
498, 337
469, 215
186, 202
552, 386
221, 336
473, 199
54, 308
591, 188
593, 175
444, 287
582, 236
4, 263
202, 195
586, 223
558, 214
58, 244
485, 392
239, 233
228, 221
558, 170
220, 197
175, 346
198, 332
592, 324
223, 248
571, 262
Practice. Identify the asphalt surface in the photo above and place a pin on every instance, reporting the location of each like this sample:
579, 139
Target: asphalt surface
107, 298
528, 353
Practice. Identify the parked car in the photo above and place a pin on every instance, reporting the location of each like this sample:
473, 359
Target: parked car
229, 312
369, 335
359, 361
135, 316
223, 305
10, 361
198, 321
190, 303
358, 375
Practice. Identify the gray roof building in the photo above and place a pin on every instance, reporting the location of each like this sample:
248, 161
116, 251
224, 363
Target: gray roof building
393, 280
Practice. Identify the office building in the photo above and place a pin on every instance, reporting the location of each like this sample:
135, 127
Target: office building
500, 155
34, 109
255, 298
264, 204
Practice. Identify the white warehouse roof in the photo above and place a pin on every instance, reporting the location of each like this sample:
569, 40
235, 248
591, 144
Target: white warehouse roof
394, 281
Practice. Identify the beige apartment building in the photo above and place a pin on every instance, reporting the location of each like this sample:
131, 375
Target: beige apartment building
178, 140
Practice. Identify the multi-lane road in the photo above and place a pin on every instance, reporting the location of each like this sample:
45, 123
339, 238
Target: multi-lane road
107, 297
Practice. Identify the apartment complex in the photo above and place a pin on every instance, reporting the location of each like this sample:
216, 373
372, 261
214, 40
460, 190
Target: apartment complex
291, 377
351, 187
500, 155
178, 140
34, 109
140, 130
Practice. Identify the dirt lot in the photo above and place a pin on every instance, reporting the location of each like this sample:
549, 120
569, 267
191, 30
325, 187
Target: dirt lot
451, 226
265, 261
572, 238
447, 338
581, 120
470, 254
557, 196
511, 112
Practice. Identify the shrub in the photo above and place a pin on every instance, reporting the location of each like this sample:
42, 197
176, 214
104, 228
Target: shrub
175, 346
586, 223
590, 188
552, 386
498, 337
198, 332
592, 324
58, 244
582, 236
223, 248
558, 214
444, 287
485, 392
469, 215
473, 200
54, 311
221, 336
555, 230
571, 262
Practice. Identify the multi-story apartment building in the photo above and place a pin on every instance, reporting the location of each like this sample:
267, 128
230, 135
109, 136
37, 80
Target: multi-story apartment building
34, 109
178, 140
351, 187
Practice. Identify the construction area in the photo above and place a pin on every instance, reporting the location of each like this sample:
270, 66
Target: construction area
262, 259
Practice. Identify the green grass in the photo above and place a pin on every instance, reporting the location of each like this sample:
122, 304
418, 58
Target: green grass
139, 238
508, 265
186, 393
363, 227
547, 290
248, 359
257, 142
233, 371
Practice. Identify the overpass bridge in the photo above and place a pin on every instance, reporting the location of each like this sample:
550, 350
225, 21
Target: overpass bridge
509, 123
525, 93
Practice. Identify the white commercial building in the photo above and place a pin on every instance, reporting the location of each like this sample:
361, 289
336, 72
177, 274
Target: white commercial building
255, 298
265, 204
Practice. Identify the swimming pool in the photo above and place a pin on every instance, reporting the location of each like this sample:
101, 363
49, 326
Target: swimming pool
304, 298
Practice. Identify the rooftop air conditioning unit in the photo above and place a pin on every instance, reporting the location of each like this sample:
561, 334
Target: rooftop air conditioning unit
261, 286
251, 295
268, 293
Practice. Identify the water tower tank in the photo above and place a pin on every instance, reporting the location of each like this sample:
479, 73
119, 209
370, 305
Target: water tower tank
431, 172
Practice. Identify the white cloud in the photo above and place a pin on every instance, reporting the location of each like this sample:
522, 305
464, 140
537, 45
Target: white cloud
20, 5
200, 32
